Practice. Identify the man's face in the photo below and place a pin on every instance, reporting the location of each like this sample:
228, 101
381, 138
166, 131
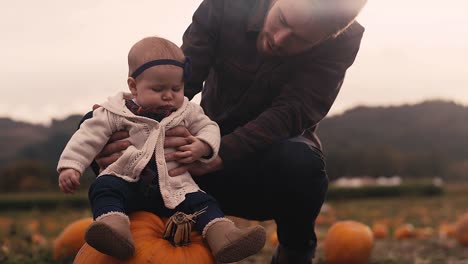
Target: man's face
289, 29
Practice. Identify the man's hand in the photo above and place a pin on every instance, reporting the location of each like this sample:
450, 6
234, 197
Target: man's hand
69, 180
186, 145
190, 152
177, 137
113, 149
198, 168
180, 138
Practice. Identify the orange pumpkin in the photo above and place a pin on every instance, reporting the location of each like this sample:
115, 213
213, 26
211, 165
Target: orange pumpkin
324, 219
423, 232
461, 230
38, 239
348, 242
5, 224
380, 230
71, 239
33, 226
147, 230
446, 230
274, 238
404, 232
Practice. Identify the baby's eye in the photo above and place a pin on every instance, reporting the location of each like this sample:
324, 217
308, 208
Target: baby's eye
156, 89
177, 88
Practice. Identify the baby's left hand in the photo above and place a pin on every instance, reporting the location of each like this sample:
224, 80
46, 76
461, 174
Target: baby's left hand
191, 152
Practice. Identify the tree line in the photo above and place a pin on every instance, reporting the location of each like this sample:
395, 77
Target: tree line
428, 139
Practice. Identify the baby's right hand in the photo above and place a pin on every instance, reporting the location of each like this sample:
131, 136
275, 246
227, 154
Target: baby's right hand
69, 180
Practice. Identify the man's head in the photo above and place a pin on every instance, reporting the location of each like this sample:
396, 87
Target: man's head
159, 85
294, 26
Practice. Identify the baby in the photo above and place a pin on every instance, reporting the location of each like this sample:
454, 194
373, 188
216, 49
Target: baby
139, 179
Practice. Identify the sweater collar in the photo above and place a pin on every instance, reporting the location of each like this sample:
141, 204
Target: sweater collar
153, 113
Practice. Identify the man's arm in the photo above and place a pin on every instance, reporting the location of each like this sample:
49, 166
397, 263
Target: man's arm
303, 101
199, 41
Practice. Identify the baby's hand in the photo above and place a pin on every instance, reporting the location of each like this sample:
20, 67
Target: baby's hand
69, 180
193, 151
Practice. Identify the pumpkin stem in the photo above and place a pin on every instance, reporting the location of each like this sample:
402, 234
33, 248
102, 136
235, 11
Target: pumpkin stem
178, 227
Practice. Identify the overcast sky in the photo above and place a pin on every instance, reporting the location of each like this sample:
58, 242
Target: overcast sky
59, 57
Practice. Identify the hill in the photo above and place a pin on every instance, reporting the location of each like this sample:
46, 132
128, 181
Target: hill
432, 134
428, 139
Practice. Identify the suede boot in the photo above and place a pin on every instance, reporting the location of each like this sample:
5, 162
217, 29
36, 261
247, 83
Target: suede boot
110, 234
229, 244
283, 255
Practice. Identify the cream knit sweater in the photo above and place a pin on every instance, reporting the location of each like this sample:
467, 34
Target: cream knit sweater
146, 136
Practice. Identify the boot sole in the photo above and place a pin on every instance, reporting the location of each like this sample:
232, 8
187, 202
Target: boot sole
244, 247
105, 240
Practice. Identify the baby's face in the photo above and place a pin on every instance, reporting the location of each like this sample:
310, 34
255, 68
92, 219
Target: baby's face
160, 87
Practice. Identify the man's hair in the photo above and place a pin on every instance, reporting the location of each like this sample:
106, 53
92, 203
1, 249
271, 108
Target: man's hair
152, 48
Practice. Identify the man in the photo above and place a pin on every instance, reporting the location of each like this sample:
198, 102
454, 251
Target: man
271, 71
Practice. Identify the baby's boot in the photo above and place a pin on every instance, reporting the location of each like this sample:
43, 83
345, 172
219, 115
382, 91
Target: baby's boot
110, 234
228, 243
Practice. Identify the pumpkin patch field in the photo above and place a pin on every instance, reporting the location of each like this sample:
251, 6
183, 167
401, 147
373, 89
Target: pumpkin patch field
406, 230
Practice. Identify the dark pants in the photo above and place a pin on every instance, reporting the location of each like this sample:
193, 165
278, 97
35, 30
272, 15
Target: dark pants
287, 183
112, 194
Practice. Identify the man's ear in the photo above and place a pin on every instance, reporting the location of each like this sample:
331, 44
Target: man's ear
131, 82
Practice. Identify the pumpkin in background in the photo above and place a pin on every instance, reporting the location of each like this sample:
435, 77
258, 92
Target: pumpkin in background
461, 230
71, 239
348, 242
446, 230
380, 230
404, 231
38, 239
423, 232
147, 230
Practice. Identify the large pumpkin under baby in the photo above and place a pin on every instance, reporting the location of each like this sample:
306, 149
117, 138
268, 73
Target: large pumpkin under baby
147, 231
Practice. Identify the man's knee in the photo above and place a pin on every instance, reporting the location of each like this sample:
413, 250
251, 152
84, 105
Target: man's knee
298, 163
297, 178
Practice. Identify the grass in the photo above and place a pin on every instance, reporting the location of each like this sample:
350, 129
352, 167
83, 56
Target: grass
19, 245
41, 201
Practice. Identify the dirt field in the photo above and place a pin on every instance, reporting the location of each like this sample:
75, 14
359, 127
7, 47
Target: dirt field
19, 245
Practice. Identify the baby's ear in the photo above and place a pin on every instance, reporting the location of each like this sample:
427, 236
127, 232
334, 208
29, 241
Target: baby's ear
131, 82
